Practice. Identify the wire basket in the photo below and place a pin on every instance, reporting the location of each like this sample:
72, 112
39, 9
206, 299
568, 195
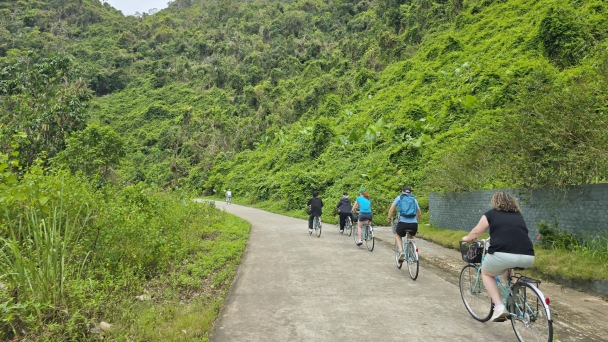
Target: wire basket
471, 251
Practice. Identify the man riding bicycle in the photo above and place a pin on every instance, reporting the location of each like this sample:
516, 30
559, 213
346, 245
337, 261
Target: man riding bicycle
315, 208
344, 209
228, 196
409, 214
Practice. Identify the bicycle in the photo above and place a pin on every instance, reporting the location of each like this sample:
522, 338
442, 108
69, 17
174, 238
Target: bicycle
528, 307
411, 255
367, 233
316, 226
348, 225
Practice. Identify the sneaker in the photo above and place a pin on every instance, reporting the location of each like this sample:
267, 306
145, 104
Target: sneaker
359, 243
341, 230
401, 257
309, 230
500, 314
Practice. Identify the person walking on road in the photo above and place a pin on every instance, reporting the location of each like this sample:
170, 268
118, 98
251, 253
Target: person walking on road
364, 204
409, 214
344, 208
315, 208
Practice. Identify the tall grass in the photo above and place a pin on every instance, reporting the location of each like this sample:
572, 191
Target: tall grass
35, 256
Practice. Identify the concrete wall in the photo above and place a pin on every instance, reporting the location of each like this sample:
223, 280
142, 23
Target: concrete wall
579, 209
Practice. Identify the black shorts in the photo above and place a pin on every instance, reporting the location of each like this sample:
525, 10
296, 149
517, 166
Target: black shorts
365, 216
403, 227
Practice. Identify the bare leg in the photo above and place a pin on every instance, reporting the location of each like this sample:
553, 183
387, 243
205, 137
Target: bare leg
491, 286
360, 224
399, 242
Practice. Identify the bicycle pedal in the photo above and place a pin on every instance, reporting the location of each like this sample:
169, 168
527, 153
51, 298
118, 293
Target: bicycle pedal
502, 319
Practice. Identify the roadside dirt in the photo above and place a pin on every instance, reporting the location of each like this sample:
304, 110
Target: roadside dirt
577, 316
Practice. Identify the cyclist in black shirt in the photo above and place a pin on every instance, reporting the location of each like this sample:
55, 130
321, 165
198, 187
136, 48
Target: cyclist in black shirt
344, 208
315, 205
510, 245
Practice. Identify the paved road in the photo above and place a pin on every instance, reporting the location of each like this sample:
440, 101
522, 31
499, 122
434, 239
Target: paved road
292, 286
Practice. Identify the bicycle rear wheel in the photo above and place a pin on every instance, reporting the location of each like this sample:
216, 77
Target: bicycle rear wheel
412, 260
529, 317
369, 237
348, 226
474, 295
397, 253
317, 225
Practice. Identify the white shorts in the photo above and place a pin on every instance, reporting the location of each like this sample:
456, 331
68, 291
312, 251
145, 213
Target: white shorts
498, 262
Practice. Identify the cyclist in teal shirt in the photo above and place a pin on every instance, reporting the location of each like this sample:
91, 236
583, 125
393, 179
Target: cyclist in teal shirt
364, 204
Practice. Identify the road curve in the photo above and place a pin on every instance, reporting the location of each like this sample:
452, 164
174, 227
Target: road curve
292, 286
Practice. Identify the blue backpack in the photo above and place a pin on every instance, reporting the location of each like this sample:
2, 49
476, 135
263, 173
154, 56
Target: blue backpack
407, 206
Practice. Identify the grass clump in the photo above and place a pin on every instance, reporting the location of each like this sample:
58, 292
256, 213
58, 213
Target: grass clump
585, 259
567, 255
74, 255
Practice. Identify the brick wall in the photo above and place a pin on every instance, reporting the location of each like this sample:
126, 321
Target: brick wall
579, 209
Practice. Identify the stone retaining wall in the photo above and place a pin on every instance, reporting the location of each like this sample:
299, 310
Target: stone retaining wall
580, 209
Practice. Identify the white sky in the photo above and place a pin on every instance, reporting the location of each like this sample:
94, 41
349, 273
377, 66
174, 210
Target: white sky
129, 7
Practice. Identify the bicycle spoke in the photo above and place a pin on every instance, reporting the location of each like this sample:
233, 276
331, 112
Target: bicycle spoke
412, 260
369, 238
529, 317
475, 297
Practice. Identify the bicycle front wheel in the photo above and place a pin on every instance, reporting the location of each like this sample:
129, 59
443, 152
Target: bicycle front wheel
397, 253
474, 295
529, 316
317, 225
369, 238
411, 257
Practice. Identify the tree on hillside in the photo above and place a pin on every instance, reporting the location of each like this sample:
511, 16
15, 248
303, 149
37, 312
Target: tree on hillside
46, 98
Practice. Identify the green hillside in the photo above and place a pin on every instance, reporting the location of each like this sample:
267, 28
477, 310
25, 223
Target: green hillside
505, 94
456, 84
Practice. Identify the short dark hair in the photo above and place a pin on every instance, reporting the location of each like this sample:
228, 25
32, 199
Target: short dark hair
315, 193
345, 194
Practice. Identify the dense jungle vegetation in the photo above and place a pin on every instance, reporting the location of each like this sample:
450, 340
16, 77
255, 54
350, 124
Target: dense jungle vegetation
272, 99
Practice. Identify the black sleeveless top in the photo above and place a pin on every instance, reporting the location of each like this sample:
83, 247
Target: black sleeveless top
508, 233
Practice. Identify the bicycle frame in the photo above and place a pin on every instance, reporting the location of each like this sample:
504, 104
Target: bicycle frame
507, 291
404, 242
365, 227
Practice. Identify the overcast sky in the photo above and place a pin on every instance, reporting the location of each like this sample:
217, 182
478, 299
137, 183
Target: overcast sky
129, 7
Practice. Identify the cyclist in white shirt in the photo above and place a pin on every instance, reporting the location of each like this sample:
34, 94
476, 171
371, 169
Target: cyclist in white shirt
228, 196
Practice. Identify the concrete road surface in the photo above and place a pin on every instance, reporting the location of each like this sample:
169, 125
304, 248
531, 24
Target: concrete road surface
292, 286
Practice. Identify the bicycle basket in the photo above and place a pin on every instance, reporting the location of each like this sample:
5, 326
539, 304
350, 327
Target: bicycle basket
471, 252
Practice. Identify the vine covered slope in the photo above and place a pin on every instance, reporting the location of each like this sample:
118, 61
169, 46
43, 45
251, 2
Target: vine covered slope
276, 98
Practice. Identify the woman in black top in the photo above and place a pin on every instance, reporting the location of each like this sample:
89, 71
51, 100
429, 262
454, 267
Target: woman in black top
510, 245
